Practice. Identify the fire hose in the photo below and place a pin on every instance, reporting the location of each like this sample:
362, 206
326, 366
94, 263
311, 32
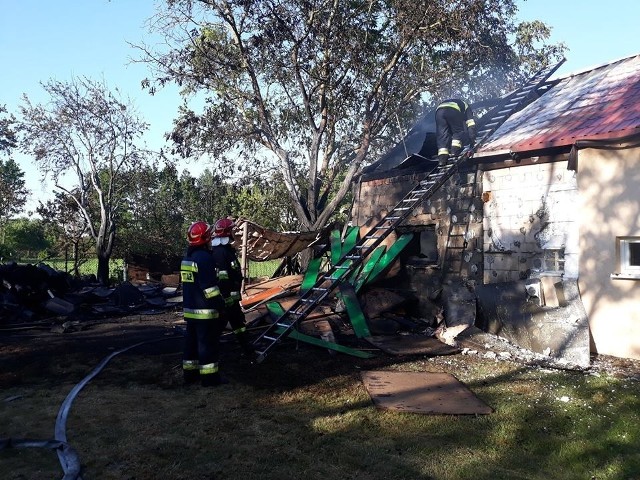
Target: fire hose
67, 455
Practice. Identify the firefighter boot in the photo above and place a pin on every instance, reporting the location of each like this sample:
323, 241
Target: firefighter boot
442, 159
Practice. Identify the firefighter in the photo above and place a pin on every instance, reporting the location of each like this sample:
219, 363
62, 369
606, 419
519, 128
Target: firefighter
230, 277
453, 117
203, 307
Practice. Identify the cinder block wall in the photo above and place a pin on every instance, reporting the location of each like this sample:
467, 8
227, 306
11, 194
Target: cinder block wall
529, 210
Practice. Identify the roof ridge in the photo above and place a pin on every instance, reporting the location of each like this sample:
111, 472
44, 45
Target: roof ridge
595, 67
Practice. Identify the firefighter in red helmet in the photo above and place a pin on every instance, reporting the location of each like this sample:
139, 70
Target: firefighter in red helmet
454, 121
203, 309
230, 277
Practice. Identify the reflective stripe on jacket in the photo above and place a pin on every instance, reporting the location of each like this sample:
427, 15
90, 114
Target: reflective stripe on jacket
200, 313
201, 295
462, 107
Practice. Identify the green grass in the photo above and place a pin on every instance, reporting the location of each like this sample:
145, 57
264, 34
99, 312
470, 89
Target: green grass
89, 267
263, 269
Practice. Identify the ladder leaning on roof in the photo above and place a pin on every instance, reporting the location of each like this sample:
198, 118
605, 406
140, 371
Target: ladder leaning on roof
354, 257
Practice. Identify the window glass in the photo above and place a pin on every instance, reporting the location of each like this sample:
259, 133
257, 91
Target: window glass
634, 254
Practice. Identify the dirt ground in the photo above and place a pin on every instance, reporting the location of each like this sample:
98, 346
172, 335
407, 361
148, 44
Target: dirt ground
44, 355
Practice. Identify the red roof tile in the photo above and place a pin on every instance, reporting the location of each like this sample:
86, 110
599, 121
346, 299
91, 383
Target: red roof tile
599, 104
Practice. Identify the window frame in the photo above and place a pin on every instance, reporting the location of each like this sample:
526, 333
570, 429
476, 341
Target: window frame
624, 270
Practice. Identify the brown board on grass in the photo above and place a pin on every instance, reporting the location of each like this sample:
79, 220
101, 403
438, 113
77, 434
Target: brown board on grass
413, 344
422, 392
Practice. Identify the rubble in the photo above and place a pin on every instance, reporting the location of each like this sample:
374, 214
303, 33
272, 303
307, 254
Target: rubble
38, 293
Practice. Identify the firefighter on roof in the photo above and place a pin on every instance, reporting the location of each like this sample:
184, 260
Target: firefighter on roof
203, 307
230, 276
453, 117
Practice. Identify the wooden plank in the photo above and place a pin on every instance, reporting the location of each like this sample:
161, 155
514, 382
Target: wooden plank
368, 267
278, 311
390, 255
356, 316
311, 275
422, 392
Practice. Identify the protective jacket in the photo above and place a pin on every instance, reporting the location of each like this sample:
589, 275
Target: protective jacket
201, 295
453, 117
229, 273
230, 277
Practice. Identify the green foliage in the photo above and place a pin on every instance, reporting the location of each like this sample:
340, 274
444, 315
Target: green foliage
26, 235
13, 193
312, 90
8, 138
154, 219
67, 230
161, 205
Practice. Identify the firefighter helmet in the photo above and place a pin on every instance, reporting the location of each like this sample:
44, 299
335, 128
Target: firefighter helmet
223, 228
199, 233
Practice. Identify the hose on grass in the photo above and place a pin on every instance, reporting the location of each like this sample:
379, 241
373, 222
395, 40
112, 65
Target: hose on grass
67, 455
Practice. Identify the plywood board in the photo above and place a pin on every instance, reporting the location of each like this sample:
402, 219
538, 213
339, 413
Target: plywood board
411, 345
422, 392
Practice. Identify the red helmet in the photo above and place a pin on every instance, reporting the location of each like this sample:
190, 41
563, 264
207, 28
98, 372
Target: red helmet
199, 233
223, 228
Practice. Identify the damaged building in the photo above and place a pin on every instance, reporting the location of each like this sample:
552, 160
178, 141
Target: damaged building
536, 238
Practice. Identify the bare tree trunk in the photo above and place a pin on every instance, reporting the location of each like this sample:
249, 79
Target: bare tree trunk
103, 269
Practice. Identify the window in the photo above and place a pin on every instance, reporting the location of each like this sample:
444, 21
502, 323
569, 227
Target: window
628, 257
553, 261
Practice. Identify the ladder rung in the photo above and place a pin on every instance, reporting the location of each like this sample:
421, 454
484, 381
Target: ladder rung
273, 339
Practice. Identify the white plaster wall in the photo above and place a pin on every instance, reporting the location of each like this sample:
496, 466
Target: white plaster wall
609, 207
529, 209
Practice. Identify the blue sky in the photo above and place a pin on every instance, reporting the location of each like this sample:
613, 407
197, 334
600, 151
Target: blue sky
42, 39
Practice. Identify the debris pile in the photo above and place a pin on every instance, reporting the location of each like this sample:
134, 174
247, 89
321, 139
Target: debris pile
35, 293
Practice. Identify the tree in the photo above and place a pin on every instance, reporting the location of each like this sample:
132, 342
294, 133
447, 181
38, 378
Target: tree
8, 138
314, 87
25, 237
85, 139
265, 202
154, 221
63, 222
13, 194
